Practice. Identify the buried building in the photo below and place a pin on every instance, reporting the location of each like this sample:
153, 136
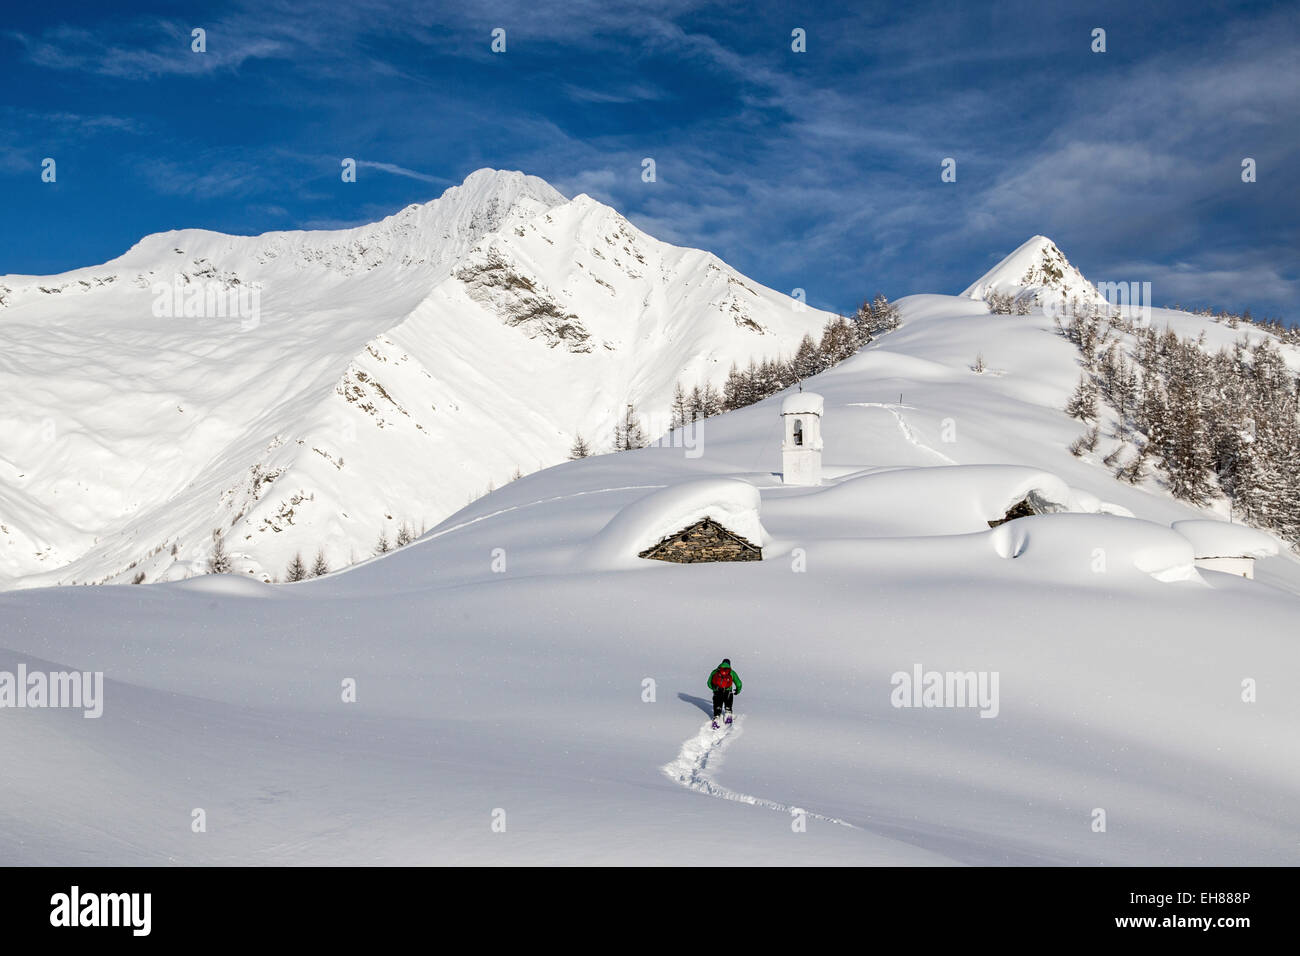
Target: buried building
696, 521
705, 540
1031, 504
1229, 548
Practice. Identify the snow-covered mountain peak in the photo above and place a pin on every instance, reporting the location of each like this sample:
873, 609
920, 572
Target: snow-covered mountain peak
487, 201
509, 184
1037, 267
386, 374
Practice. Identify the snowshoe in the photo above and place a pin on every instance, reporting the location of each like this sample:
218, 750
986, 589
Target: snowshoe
715, 723
728, 718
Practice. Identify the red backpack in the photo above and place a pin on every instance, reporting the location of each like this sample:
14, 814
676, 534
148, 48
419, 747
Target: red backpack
722, 679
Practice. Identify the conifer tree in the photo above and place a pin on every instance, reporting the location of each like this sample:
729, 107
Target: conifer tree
1136, 470
296, 570
838, 341
681, 407
710, 401
1083, 403
696, 403
219, 561
807, 360
579, 449
1185, 453
628, 434
738, 391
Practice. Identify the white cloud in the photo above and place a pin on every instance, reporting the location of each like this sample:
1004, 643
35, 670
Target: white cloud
113, 51
402, 171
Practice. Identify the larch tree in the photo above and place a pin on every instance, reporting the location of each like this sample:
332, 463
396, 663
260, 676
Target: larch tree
579, 449
219, 561
297, 570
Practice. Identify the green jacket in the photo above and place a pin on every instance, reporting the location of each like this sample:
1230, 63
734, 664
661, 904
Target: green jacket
735, 678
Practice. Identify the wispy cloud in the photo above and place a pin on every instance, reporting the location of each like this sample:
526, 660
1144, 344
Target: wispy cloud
27, 136
402, 171
1225, 281
14, 161
202, 180
113, 51
82, 125
635, 93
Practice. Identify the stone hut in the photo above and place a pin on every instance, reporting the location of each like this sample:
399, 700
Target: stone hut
705, 540
1033, 503
688, 522
1022, 509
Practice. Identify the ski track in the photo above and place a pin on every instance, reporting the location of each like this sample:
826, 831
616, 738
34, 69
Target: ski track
530, 504
701, 754
908, 434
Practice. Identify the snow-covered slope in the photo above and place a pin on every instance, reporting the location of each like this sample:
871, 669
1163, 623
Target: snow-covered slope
527, 692
390, 374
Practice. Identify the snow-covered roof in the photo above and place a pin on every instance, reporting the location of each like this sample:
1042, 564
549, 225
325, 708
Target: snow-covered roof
1054, 544
730, 502
940, 499
1219, 539
802, 403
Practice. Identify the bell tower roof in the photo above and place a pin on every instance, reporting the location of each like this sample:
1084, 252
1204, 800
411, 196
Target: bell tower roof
802, 403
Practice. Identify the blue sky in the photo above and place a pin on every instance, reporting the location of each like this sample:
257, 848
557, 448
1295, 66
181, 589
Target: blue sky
818, 170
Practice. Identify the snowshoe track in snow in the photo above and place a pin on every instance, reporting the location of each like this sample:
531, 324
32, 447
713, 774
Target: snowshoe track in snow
908, 434
699, 758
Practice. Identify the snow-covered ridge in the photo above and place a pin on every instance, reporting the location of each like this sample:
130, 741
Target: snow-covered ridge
433, 235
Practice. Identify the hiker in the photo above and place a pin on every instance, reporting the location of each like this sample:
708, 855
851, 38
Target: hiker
725, 684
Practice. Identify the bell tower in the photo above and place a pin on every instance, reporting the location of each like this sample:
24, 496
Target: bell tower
801, 450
